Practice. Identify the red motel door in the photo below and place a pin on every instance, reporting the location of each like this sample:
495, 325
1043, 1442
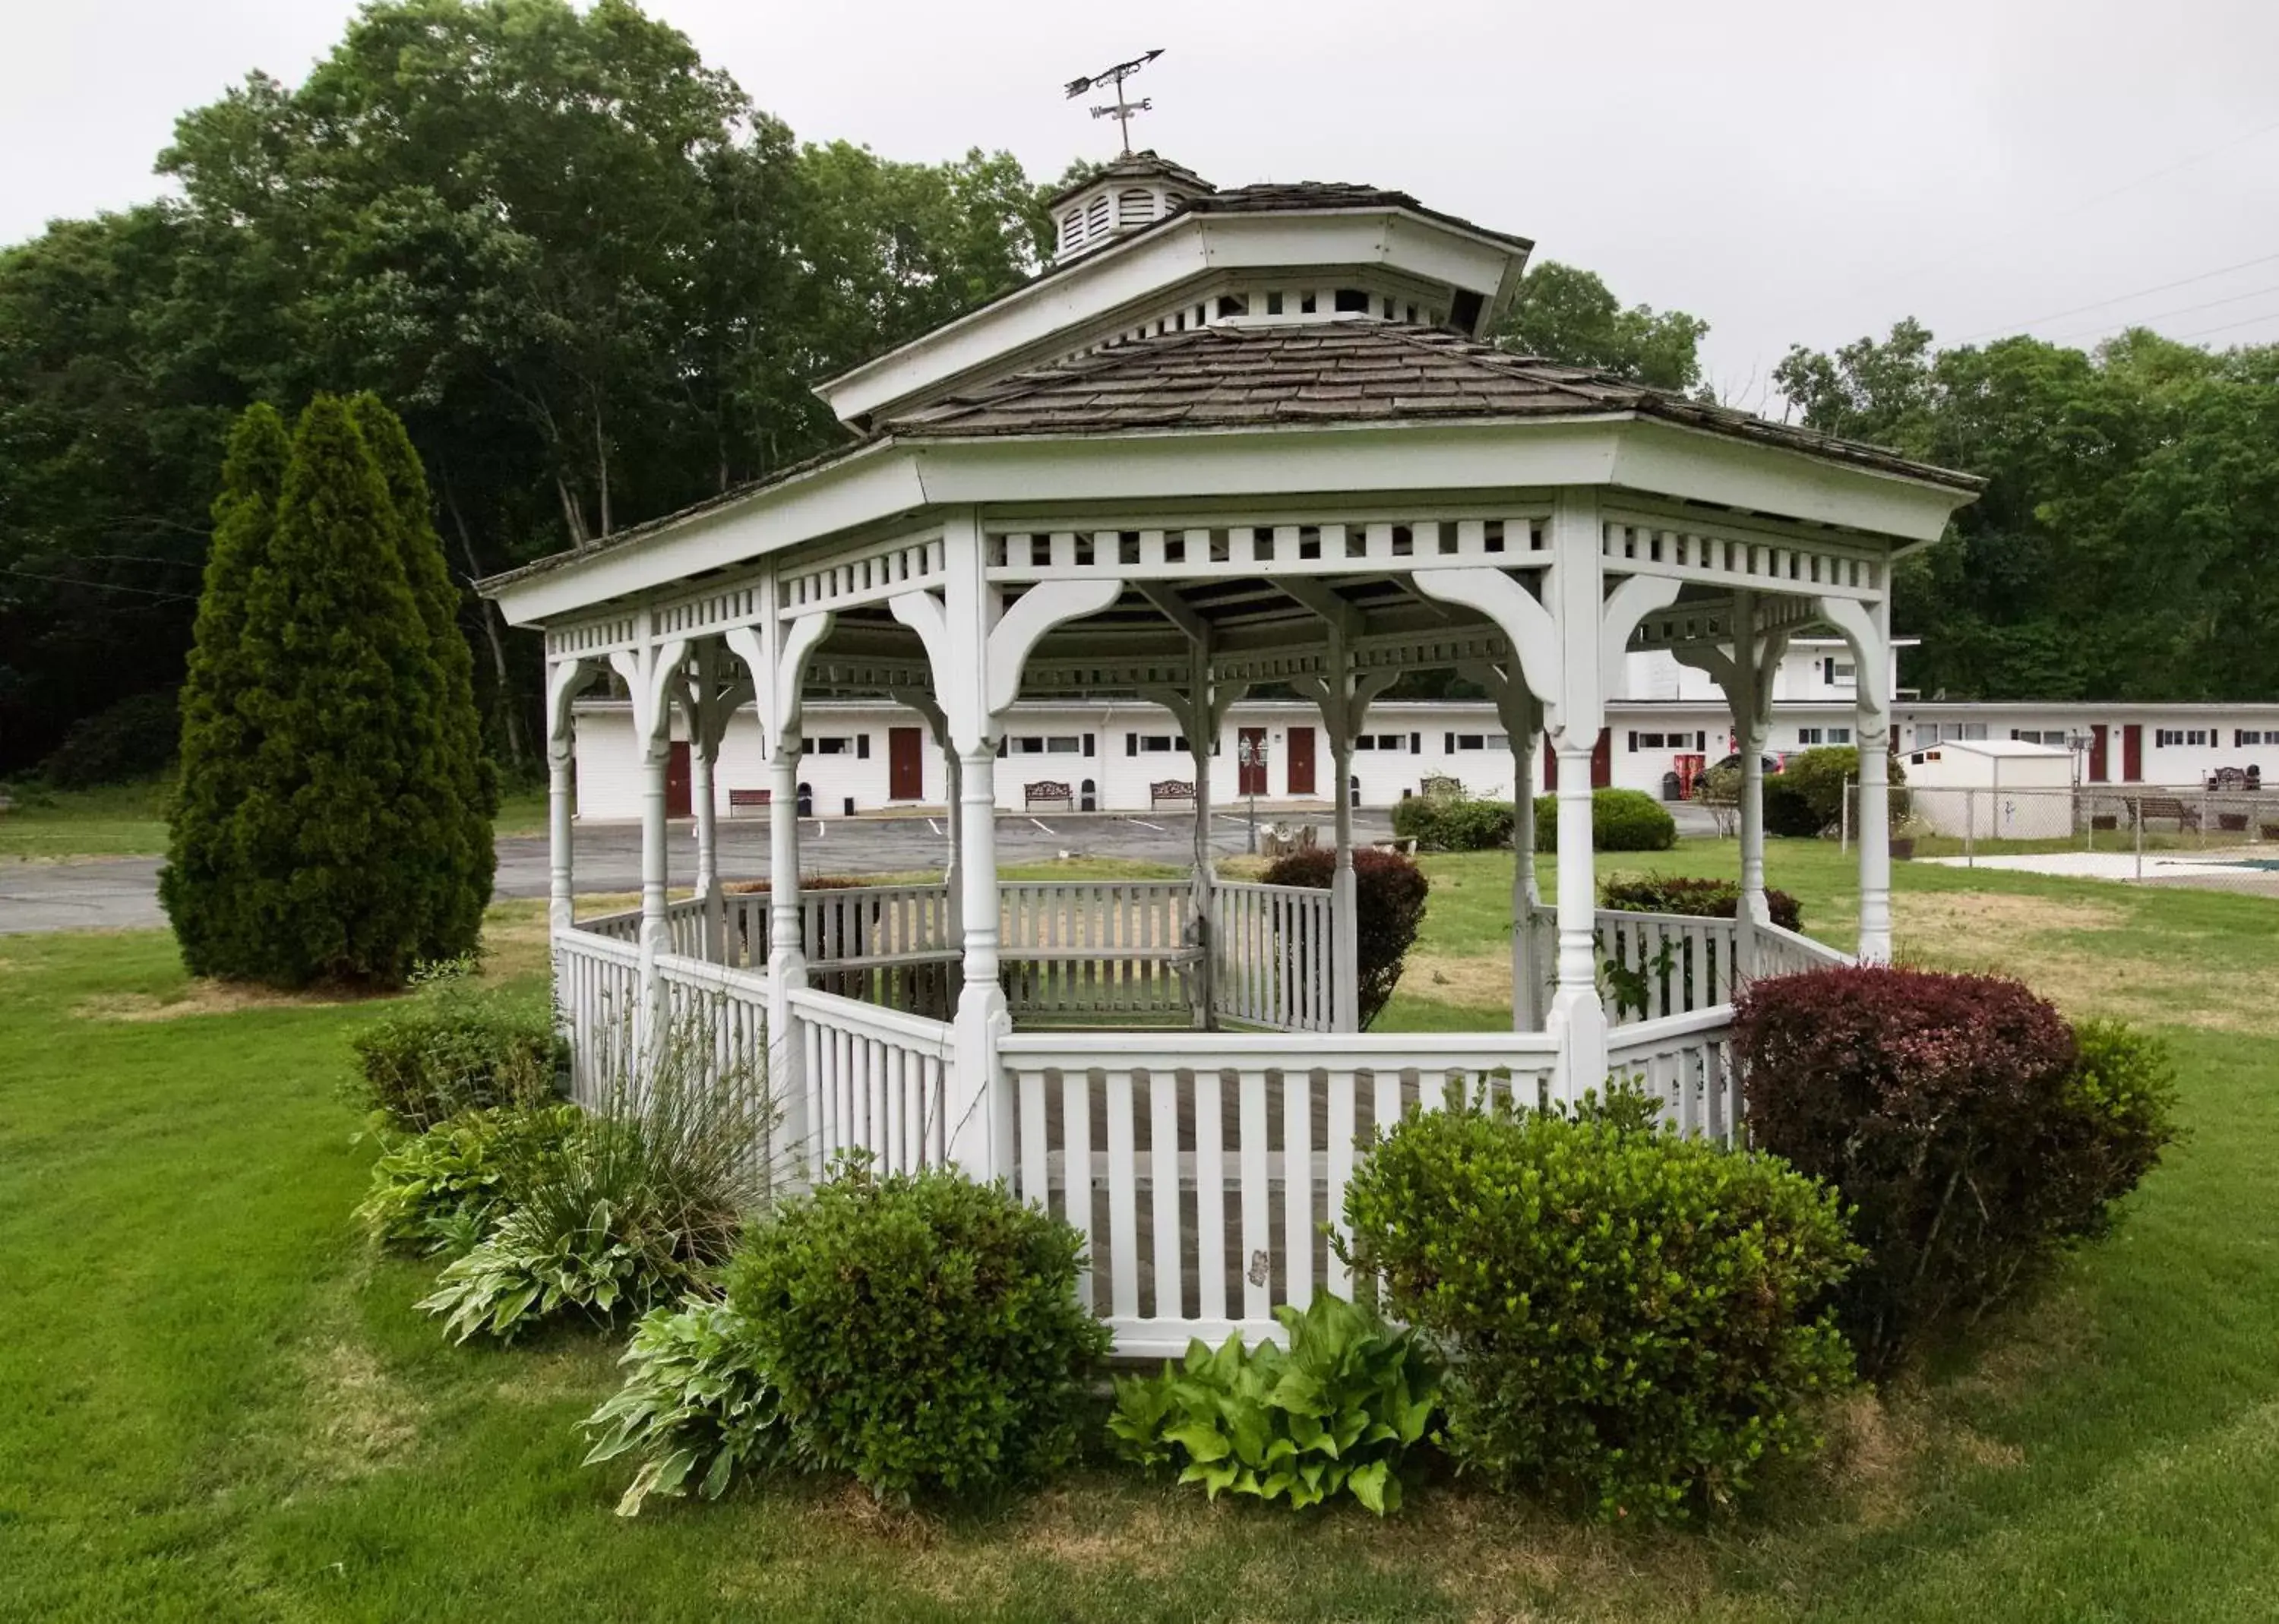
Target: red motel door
2132, 752
905, 764
1301, 760
675, 781
1602, 759
2101, 771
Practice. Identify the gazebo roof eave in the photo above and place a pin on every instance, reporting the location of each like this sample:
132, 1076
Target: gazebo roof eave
900, 476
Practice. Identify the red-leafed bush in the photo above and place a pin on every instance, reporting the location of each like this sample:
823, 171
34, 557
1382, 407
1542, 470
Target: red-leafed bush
1952, 1111
1689, 894
1389, 890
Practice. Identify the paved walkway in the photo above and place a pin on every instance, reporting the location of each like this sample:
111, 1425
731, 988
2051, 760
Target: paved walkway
2241, 869
122, 893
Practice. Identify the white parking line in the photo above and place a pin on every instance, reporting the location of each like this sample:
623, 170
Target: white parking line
1143, 823
1040, 823
933, 826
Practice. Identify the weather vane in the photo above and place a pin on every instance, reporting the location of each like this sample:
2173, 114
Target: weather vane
1122, 111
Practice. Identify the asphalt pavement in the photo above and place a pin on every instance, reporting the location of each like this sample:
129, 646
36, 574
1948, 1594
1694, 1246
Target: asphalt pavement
122, 893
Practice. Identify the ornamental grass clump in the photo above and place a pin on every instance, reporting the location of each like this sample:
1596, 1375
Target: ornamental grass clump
636, 1209
1334, 1413
1633, 1321
1972, 1129
922, 1330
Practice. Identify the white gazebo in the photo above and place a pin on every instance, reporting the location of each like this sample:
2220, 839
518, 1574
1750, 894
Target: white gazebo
1228, 438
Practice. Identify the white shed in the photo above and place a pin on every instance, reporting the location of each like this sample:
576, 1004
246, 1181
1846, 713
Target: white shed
1994, 789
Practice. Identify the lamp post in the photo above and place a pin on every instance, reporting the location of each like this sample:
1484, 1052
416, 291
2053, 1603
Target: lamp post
1250, 753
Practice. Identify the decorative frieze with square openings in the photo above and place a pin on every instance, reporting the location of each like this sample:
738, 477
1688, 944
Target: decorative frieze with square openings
866, 575
1188, 553
1775, 562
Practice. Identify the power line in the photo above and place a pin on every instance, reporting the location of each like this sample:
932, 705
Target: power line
2079, 310
2182, 310
2017, 227
2244, 321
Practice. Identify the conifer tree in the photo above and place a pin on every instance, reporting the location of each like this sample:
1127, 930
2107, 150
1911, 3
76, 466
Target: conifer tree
465, 783
333, 853
195, 885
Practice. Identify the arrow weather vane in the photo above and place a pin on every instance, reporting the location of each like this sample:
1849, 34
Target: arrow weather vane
1122, 111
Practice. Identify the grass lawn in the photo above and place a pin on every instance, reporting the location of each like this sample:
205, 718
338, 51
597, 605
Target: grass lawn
214, 1404
116, 820
129, 820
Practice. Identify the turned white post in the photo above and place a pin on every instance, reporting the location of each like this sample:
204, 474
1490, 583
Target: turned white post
1575, 594
952, 777
980, 1126
786, 952
564, 678
656, 754
703, 758
1344, 893
1867, 628
1526, 1008
1202, 721
560, 904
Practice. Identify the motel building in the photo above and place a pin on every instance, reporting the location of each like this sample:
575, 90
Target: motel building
1665, 723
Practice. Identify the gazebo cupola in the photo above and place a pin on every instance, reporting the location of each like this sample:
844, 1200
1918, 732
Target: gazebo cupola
1148, 249
1134, 191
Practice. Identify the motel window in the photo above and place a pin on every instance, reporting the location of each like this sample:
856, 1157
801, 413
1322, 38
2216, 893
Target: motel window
858, 746
1836, 671
1152, 744
2040, 736
1811, 735
1934, 732
2164, 738
1466, 742
1668, 741
1502, 741
2252, 736
1381, 741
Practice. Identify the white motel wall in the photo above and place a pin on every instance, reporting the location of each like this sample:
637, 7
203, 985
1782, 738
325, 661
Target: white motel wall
1113, 750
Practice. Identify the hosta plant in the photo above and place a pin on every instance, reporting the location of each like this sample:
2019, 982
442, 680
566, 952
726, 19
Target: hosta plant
695, 1409
1333, 1412
530, 1269
441, 1190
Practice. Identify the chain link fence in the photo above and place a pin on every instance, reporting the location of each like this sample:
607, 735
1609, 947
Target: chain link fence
2146, 833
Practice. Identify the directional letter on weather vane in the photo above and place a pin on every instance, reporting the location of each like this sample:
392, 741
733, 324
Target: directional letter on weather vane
1123, 109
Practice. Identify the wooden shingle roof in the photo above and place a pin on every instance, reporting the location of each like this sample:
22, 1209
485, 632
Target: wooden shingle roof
1236, 376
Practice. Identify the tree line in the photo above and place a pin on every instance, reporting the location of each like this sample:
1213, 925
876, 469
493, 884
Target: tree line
596, 282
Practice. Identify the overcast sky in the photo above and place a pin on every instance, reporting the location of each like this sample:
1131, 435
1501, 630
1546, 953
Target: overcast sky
1800, 173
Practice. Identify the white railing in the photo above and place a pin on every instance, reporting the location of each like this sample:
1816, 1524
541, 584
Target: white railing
1205, 1170
844, 924
1683, 1061
1785, 952
619, 927
1272, 963
1664, 964
1094, 947
597, 999
877, 1081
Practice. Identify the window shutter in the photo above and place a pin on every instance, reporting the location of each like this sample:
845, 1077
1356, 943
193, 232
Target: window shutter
1415, 744
1131, 744
862, 746
1087, 744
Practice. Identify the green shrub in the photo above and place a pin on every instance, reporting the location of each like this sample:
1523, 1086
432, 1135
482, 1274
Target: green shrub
924, 1331
134, 738
1959, 1118
2122, 1099
458, 1049
636, 1209
444, 1190
1630, 1318
695, 1410
1685, 893
1806, 797
1622, 820
325, 828
1334, 1411
1463, 825
1389, 892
